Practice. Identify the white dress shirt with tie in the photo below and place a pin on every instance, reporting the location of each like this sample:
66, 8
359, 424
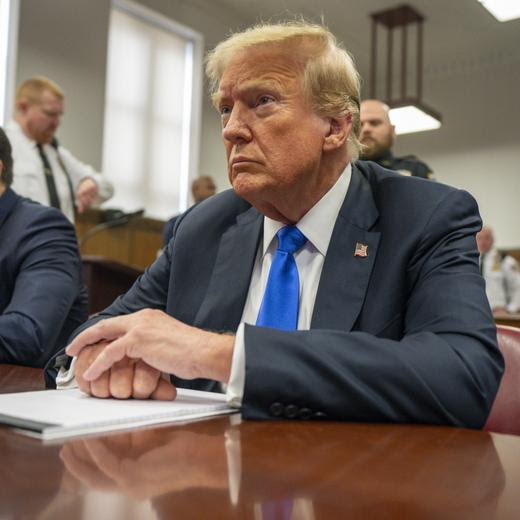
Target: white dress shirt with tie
29, 177
317, 225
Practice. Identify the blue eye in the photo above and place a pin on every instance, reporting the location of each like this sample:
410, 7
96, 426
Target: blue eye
225, 110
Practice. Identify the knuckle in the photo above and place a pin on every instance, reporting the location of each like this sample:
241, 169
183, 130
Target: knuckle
121, 391
141, 390
101, 392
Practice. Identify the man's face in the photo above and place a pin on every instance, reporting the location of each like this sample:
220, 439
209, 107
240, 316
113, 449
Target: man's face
273, 139
484, 240
203, 189
41, 120
377, 134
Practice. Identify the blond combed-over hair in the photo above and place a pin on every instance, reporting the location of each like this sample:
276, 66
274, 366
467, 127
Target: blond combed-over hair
329, 76
31, 89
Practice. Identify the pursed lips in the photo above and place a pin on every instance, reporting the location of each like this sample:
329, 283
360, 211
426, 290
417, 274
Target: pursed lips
242, 159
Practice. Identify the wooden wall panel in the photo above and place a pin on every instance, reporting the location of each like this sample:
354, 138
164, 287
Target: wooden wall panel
135, 243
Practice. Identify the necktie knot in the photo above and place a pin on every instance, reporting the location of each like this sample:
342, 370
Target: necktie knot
290, 239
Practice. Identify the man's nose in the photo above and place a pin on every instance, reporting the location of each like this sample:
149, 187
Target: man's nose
237, 127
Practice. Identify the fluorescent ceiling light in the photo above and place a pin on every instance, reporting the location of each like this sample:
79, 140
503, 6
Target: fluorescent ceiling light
410, 118
502, 10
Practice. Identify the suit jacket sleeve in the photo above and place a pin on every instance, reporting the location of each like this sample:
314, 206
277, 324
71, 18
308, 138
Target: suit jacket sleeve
443, 369
48, 280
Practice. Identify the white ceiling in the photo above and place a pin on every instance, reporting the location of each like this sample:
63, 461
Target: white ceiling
458, 34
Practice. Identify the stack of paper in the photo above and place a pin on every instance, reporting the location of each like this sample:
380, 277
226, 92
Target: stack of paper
54, 414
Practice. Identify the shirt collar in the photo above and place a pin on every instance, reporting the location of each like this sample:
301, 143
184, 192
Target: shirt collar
14, 126
318, 223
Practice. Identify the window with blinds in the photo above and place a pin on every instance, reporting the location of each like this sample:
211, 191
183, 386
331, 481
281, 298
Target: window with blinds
152, 110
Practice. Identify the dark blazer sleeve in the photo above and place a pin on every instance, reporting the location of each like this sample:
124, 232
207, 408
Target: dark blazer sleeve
46, 287
167, 232
442, 366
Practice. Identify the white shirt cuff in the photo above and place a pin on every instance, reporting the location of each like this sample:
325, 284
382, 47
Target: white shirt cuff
66, 378
235, 387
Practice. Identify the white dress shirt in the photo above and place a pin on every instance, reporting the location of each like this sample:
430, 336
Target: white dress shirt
317, 225
502, 278
29, 177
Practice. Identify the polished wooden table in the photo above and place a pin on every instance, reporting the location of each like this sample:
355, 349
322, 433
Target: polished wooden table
504, 318
226, 468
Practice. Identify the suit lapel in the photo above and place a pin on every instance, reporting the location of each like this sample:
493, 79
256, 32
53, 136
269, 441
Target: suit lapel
224, 303
344, 279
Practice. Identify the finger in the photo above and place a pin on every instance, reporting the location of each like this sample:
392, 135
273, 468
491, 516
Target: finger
165, 391
80, 203
145, 380
104, 459
108, 329
99, 387
83, 361
121, 378
84, 471
110, 355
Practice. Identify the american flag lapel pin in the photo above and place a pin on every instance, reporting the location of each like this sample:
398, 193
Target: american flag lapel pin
361, 250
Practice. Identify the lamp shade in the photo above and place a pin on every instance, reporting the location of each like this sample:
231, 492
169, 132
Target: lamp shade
409, 117
502, 10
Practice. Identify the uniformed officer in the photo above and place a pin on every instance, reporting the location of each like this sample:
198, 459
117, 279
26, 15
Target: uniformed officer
378, 135
501, 274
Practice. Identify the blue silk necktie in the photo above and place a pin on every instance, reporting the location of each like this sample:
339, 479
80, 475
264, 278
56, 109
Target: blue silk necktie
279, 307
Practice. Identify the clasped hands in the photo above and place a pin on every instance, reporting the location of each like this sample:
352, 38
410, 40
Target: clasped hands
86, 194
124, 357
149, 463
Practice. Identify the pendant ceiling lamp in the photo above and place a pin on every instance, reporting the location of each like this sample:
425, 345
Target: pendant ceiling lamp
407, 110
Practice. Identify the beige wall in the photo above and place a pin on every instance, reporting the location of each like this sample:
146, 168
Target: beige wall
67, 41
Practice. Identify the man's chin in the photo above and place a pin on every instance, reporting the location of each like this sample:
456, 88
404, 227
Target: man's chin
248, 186
45, 139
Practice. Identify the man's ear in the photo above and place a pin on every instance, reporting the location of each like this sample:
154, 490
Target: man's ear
338, 130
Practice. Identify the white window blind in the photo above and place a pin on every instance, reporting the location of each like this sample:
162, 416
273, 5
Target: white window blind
9, 11
150, 135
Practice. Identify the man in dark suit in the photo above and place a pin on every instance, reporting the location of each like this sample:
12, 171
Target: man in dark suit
390, 320
42, 297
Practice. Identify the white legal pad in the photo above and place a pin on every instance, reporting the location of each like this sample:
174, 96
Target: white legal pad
56, 414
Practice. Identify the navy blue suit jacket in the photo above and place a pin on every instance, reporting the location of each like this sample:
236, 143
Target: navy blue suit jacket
42, 296
402, 335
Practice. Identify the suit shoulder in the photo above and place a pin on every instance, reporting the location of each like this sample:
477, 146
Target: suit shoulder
220, 208
31, 218
37, 212
390, 188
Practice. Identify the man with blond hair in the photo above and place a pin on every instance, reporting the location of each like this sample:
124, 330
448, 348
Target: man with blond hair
318, 287
43, 170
